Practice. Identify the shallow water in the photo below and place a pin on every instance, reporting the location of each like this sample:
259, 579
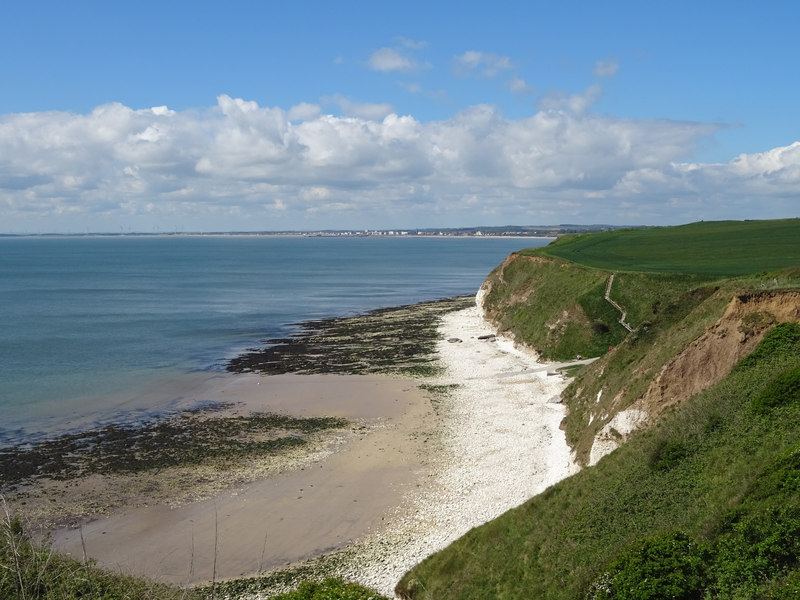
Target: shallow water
92, 325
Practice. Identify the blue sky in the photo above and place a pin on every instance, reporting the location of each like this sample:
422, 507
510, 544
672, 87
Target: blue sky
204, 116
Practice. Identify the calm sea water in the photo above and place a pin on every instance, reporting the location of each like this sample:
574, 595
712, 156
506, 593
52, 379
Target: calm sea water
83, 319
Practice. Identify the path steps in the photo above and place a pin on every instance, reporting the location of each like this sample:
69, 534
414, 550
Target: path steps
617, 306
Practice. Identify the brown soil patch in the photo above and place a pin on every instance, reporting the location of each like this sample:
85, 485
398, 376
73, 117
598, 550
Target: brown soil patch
711, 356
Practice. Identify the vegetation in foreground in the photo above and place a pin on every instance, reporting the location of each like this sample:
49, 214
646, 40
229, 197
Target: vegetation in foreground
34, 571
704, 505
330, 589
31, 570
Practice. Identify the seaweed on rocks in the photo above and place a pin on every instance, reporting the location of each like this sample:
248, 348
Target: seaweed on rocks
399, 340
183, 440
190, 455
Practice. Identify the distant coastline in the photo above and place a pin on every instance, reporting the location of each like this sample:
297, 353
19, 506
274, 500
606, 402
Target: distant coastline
528, 231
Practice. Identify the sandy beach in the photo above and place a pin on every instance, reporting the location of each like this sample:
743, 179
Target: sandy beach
423, 462
323, 503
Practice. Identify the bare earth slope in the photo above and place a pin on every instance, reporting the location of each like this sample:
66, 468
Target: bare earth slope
702, 363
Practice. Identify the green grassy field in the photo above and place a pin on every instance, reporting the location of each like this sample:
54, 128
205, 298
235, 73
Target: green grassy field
721, 248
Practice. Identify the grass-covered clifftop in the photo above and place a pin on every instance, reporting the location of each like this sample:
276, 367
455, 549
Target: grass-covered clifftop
553, 298
678, 290
702, 502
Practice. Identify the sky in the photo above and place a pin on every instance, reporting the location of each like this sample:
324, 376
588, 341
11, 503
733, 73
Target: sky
255, 116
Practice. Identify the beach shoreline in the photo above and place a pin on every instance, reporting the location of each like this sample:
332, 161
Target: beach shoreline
493, 441
303, 503
500, 443
421, 461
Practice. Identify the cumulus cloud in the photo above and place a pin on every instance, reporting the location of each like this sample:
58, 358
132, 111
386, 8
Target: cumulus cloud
482, 63
389, 59
243, 166
577, 103
784, 162
304, 112
754, 186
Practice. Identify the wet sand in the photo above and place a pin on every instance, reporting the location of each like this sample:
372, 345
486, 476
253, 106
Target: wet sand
290, 516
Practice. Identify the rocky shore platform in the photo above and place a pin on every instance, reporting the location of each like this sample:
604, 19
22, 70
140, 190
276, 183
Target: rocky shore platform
398, 341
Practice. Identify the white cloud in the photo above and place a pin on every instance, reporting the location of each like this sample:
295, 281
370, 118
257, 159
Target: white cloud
304, 112
162, 111
411, 44
783, 161
519, 86
606, 68
239, 162
399, 58
577, 103
755, 186
362, 110
482, 63
388, 59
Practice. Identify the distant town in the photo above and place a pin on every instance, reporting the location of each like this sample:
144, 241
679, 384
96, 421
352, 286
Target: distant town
492, 231
508, 231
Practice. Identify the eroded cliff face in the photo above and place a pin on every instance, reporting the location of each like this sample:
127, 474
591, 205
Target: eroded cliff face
711, 357
701, 364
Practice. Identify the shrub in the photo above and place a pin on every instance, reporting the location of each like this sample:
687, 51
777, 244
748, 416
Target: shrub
668, 454
665, 566
781, 478
781, 391
785, 588
781, 339
759, 548
331, 589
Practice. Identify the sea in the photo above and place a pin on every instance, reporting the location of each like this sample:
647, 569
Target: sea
89, 322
